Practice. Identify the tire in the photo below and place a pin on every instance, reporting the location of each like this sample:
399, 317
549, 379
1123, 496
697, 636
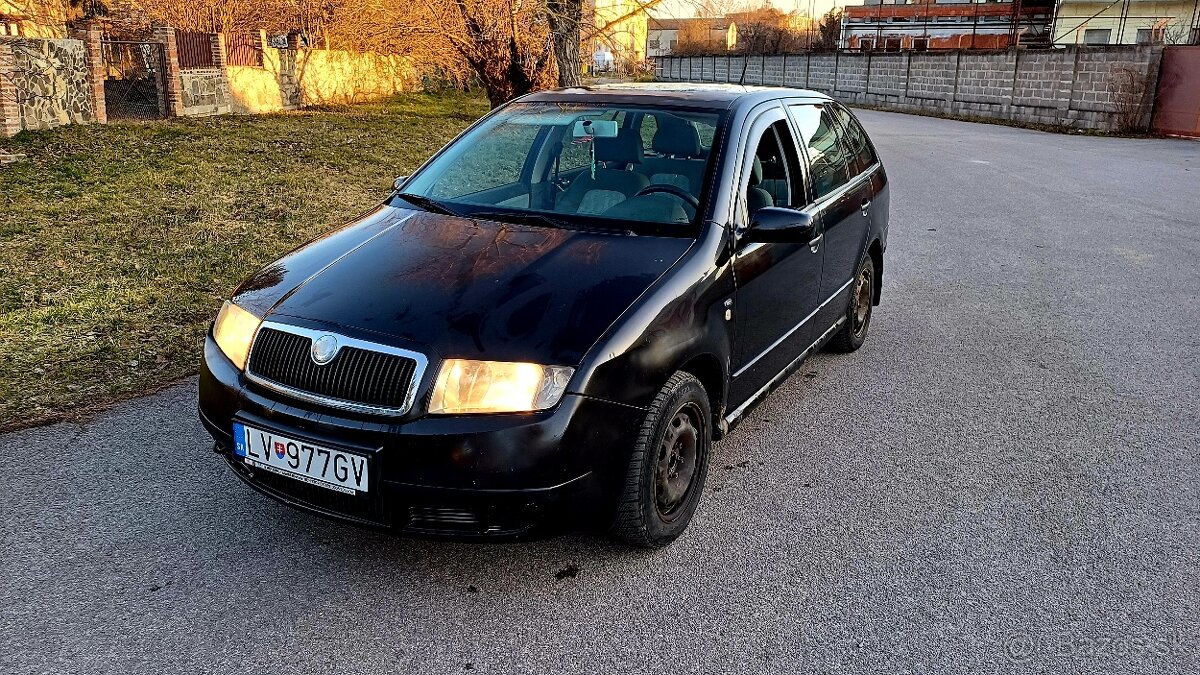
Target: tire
858, 311
674, 444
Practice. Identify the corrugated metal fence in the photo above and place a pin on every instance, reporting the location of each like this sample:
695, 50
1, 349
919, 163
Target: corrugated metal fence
1177, 106
244, 49
195, 50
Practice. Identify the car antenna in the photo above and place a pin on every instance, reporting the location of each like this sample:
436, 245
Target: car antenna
745, 65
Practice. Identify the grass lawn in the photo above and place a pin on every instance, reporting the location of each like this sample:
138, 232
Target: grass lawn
118, 242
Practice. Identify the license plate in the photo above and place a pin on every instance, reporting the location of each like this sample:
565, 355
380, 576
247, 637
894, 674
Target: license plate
337, 470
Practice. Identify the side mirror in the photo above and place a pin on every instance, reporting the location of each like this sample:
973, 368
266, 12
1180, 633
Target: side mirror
399, 182
772, 224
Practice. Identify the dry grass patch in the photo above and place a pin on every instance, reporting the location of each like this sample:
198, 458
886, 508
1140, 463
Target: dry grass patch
118, 242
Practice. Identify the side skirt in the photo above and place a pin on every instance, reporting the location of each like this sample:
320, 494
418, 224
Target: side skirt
732, 419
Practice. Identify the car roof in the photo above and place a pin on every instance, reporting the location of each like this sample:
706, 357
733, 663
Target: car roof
713, 96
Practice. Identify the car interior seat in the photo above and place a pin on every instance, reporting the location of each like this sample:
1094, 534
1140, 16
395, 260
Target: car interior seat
679, 161
756, 196
616, 177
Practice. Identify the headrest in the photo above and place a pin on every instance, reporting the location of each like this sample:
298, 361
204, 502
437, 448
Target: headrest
626, 148
756, 172
675, 136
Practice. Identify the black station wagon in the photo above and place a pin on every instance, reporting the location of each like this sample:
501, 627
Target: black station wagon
553, 319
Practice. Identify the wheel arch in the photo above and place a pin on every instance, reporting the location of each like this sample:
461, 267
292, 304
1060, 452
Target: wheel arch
876, 253
707, 368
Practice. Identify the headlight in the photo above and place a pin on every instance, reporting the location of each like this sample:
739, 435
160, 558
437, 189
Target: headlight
234, 331
493, 387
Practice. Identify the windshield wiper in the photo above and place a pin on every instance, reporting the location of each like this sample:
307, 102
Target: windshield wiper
428, 204
543, 219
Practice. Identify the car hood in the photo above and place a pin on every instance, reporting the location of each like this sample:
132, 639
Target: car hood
457, 287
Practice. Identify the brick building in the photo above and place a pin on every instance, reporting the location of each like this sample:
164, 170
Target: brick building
895, 25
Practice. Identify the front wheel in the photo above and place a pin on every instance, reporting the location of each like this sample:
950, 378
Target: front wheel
666, 473
858, 312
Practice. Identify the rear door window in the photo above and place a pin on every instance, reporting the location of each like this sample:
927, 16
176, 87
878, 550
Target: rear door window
857, 143
827, 158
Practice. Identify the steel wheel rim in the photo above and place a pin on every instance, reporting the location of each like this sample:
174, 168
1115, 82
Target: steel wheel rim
862, 303
678, 461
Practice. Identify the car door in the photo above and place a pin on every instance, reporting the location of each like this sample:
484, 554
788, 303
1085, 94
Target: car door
841, 196
865, 161
777, 284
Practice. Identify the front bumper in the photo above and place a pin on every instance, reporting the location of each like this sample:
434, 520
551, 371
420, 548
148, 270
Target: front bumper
464, 476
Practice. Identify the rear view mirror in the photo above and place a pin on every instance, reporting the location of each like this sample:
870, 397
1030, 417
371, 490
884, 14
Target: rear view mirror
772, 224
595, 129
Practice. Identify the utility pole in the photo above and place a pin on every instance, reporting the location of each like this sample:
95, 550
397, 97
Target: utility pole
975, 23
1121, 23
1194, 38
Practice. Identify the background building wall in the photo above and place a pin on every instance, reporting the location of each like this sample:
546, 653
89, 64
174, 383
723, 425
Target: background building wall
1074, 19
49, 22
1101, 89
622, 27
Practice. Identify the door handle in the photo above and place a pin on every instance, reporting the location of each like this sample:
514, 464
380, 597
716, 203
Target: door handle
816, 242
866, 205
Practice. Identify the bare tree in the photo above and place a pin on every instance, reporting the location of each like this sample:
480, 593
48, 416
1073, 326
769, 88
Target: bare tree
1131, 97
1174, 33
570, 27
694, 38
565, 18
506, 43
829, 30
768, 30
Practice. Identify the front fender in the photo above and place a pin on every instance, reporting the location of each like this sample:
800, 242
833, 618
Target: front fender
678, 319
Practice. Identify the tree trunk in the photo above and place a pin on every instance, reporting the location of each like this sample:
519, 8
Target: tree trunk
564, 17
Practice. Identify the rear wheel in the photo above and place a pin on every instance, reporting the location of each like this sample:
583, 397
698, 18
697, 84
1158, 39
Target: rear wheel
669, 464
858, 311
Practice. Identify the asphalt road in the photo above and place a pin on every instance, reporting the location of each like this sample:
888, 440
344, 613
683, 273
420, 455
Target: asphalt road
1003, 480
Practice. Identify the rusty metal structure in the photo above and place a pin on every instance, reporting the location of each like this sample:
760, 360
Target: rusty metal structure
931, 25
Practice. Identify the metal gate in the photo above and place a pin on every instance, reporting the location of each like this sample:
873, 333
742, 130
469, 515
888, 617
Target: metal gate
134, 79
1177, 103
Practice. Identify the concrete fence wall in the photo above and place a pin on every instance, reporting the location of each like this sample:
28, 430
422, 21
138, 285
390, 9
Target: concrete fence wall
293, 78
1106, 89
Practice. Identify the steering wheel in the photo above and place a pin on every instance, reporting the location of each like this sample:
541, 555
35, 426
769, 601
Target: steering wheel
673, 191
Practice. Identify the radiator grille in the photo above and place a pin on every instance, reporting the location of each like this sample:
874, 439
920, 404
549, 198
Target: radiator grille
357, 376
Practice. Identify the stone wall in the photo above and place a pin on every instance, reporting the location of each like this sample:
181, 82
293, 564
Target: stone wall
205, 92
43, 84
1106, 89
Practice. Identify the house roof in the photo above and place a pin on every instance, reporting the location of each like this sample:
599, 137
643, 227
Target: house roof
716, 23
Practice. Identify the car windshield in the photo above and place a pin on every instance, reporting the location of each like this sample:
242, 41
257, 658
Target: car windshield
612, 167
